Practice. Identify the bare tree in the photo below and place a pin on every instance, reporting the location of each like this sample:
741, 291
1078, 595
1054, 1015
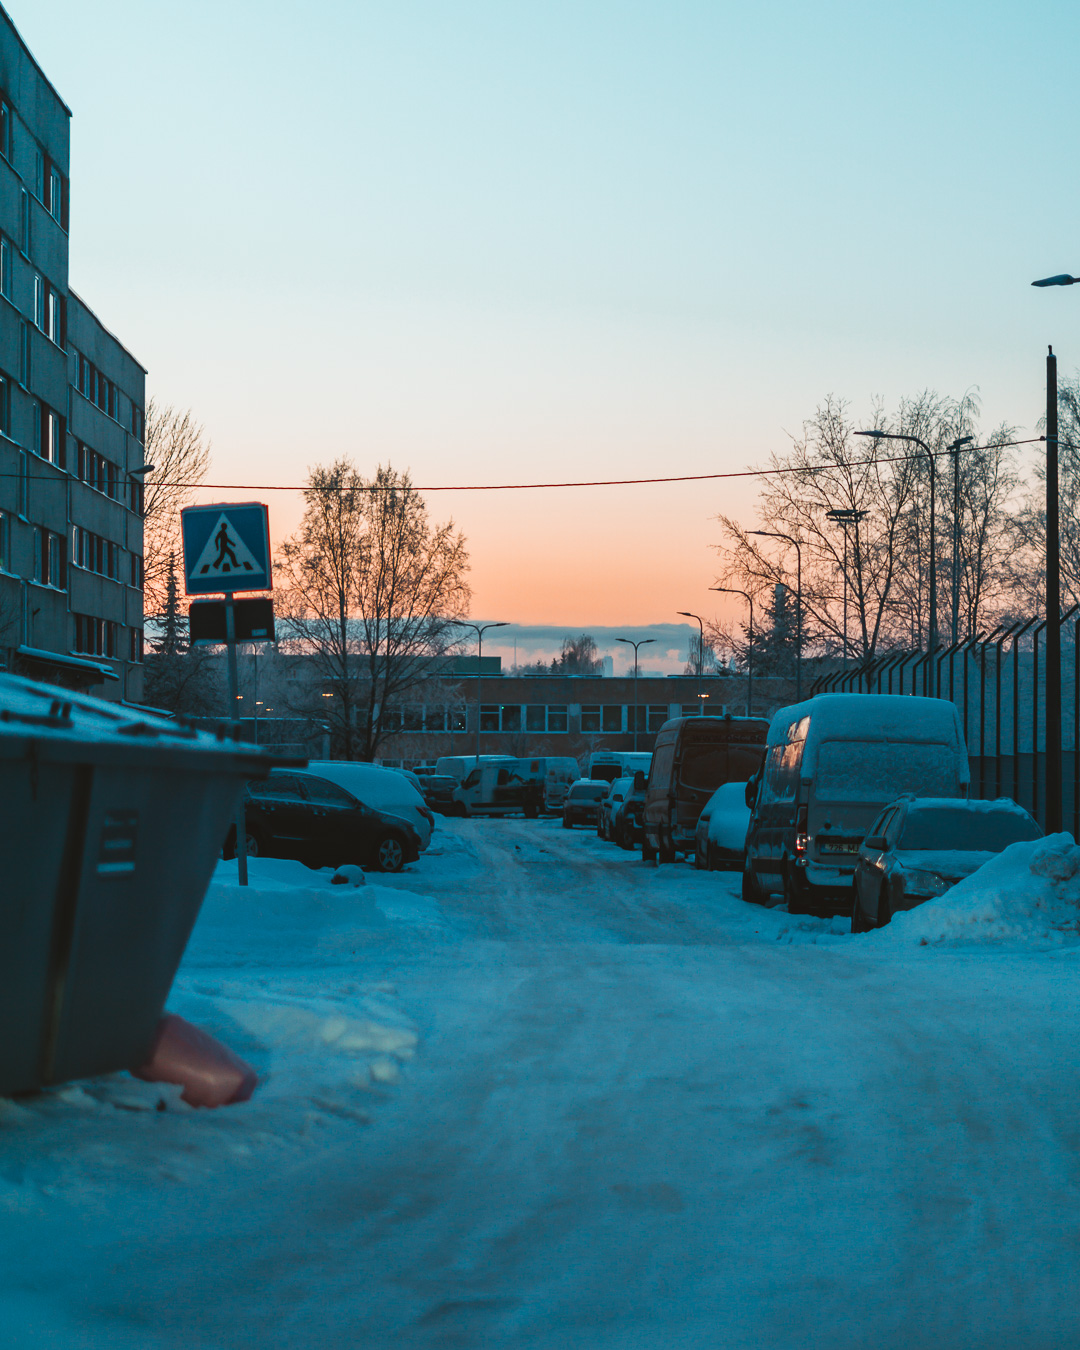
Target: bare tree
370, 591
867, 573
175, 444
828, 468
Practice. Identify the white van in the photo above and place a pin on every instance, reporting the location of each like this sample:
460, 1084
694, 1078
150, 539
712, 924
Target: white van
457, 766
831, 764
611, 764
555, 773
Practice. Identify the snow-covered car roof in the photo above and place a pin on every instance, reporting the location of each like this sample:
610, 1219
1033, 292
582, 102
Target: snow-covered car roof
370, 782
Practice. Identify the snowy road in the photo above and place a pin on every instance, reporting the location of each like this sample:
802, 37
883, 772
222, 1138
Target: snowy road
640, 1114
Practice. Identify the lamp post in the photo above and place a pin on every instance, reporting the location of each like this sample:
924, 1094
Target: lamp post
931, 640
847, 515
479, 630
772, 534
954, 449
700, 653
631, 643
1053, 587
749, 645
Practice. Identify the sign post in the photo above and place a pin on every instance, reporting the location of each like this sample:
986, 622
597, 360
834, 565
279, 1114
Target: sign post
227, 549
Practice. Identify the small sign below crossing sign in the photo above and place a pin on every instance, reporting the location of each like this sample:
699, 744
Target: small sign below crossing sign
226, 548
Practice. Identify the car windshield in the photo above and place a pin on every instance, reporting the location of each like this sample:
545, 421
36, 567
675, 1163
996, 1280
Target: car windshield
948, 828
589, 791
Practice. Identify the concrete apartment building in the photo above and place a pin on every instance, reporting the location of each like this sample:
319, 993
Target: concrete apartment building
72, 400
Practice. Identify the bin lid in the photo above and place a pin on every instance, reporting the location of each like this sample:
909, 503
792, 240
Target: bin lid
64, 725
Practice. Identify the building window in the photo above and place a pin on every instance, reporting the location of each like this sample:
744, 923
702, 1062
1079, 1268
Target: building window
135, 649
54, 315
95, 554
24, 484
613, 717
5, 542
136, 571
434, 719
97, 471
590, 717
5, 268
24, 354
5, 404
658, 715
24, 223
6, 119
94, 637
49, 434
535, 717
49, 560
489, 717
557, 719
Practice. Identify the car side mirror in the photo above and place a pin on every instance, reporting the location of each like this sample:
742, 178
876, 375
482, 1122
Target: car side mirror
876, 843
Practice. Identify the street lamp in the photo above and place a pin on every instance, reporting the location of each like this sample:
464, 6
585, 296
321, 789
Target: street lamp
847, 515
772, 534
750, 643
631, 643
479, 630
929, 685
954, 449
700, 653
1053, 587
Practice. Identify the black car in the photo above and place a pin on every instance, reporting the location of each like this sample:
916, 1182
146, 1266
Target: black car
626, 818
921, 846
303, 816
438, 790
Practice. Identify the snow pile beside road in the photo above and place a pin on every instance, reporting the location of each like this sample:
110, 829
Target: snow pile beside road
1028, 895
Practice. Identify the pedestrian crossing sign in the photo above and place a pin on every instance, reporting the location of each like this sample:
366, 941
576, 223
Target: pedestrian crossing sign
226, 548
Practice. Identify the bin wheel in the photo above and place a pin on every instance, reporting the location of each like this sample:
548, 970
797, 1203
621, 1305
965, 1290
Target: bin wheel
251, 843
390, 854
666, 852
648, 853
752, 891
567, 824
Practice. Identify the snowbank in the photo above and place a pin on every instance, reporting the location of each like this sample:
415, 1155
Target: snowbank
1027, 895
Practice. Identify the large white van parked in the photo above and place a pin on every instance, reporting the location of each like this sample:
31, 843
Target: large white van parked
831, 764
611, 764
457, 766
385, 789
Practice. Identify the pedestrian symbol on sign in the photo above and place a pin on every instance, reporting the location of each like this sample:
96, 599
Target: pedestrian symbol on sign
224, 553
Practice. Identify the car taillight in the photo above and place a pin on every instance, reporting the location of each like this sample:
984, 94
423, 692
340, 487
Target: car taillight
802, 838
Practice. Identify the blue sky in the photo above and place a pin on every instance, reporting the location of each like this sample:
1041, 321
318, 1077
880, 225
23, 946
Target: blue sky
503, 241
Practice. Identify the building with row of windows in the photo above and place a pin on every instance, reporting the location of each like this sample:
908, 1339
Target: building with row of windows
72, 402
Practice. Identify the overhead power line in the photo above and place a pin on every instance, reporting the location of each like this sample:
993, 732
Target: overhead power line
587, 483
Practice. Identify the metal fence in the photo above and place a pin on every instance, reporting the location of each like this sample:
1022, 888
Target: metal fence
998, 682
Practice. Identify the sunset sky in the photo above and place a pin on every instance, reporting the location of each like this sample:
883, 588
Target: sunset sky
500, 242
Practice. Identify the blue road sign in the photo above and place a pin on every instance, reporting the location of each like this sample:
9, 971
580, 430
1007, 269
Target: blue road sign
226, 548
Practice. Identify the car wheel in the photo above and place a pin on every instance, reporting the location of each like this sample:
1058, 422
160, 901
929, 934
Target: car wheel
625, 839
567, 823
390, 854
859, 921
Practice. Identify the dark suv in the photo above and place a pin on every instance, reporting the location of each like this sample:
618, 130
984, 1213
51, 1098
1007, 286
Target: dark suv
299, 815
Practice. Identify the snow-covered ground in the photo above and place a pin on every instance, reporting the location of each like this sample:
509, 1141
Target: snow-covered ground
533, 1093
